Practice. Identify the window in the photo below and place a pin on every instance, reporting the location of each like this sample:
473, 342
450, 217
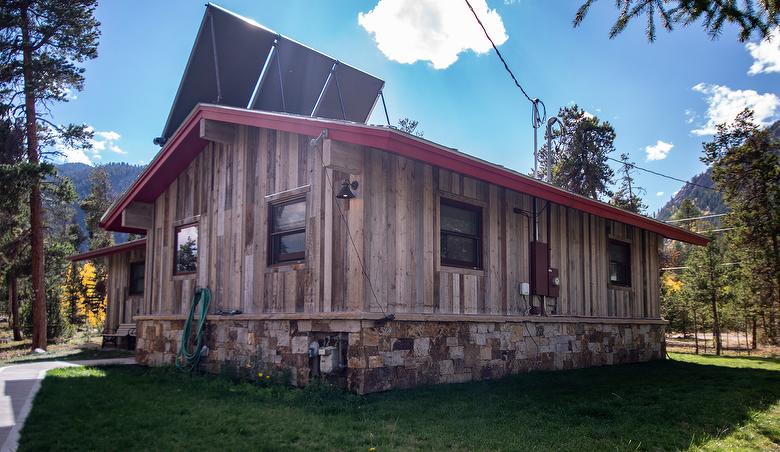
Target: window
136, 278
287, 234
619, 263
461, 234
186, 257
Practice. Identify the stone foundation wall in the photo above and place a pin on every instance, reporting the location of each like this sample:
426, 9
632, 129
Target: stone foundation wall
403, 354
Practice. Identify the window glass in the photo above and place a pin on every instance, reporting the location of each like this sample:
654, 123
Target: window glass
619, 263
461, 234
136, 286
186, 249
288, 232
457, 219
289, 216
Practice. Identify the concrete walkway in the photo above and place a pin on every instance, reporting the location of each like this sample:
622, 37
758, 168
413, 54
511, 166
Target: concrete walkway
18, 385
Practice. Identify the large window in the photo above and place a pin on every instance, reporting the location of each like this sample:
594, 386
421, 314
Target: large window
136, 286
619, 263
288, 231
186, 257
461, 234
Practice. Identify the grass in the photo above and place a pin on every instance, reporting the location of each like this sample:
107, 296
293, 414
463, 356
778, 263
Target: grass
690, 402
78, 348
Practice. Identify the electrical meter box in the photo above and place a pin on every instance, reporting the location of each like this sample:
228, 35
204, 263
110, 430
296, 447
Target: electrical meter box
329, 359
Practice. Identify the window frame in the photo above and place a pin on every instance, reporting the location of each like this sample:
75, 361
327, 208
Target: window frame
275, 259
130, 290
620, 283
176, 230
478, 237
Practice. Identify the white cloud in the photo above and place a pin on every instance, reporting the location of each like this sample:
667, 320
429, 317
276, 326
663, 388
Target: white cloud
658, 151
109, 135
724, 104
766, 54
659, 193
101, 141
408, 31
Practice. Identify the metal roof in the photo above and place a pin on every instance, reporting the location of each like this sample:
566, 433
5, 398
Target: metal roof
108, 250
186, 143
239, 63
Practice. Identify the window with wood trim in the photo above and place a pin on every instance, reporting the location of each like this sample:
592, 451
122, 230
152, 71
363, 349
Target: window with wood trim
287, 231
186, 246
461, 234
619, 263
136, 285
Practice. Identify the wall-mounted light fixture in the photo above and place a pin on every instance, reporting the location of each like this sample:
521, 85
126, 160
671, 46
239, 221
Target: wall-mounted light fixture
346, 189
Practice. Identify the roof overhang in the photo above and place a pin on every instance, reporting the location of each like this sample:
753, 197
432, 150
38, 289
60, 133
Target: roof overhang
109, 250
186, 144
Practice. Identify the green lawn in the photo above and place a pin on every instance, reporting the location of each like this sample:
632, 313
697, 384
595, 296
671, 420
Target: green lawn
689, 402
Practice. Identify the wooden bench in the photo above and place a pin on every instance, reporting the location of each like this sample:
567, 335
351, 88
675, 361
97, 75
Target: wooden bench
125, 330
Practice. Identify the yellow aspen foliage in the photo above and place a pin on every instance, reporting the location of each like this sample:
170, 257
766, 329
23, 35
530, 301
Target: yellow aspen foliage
672, 284
88, 279
76, 293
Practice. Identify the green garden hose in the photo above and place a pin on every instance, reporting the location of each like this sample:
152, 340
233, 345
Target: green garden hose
187, 360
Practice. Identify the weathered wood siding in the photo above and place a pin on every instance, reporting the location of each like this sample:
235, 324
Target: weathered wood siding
121, 305
394, 222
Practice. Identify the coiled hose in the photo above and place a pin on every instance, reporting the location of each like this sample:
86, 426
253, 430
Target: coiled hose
187, 360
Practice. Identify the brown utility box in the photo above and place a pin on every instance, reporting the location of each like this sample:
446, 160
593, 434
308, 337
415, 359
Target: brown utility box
539, 266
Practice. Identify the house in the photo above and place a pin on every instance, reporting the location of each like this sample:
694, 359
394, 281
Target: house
125, 286
370, 256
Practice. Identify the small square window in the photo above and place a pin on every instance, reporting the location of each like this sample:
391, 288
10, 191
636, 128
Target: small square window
461, 234
287, 232
186, 257
136, 286
619, 263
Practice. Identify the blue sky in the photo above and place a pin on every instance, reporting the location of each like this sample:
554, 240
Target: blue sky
671, 91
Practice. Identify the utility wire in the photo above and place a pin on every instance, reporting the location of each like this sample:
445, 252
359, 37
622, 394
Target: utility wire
664, 175
703, 217
506, 66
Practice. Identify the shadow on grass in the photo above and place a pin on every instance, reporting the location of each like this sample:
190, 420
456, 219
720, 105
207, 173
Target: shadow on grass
659, 405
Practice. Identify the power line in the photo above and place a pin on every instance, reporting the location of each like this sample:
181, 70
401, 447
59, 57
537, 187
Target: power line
703, 217
664, 175
506, 66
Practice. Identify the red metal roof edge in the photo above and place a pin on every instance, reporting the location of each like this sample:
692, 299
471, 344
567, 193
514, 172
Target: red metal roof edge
390, 140
108, 250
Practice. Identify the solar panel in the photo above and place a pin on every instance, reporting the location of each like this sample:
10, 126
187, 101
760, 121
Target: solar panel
239, 63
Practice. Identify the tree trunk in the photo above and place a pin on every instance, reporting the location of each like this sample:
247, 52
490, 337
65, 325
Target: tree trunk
36, 204
13, 303
715, 321
755, 334
695, 332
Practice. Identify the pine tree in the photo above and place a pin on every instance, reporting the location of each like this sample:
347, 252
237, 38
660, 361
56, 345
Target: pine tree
579, 162
627, 196
751, 16
94, 206
704, 282
42, 44
746, 168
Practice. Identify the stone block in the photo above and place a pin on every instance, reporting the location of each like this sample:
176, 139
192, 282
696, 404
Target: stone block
422, 346
456, 352
452, 341
446, 367
370, 337
300, 344
375, 361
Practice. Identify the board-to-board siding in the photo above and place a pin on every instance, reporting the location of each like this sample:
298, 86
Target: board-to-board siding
387, 259
122, 306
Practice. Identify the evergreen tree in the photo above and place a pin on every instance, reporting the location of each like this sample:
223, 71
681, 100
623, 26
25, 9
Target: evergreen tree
94, 206
627, 195
704, 281
409, 126
751, 16
42, 44
746, 168
72, 295
579, 162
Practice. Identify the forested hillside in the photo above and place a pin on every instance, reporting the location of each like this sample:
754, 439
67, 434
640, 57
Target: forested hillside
708, 201
120, 174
